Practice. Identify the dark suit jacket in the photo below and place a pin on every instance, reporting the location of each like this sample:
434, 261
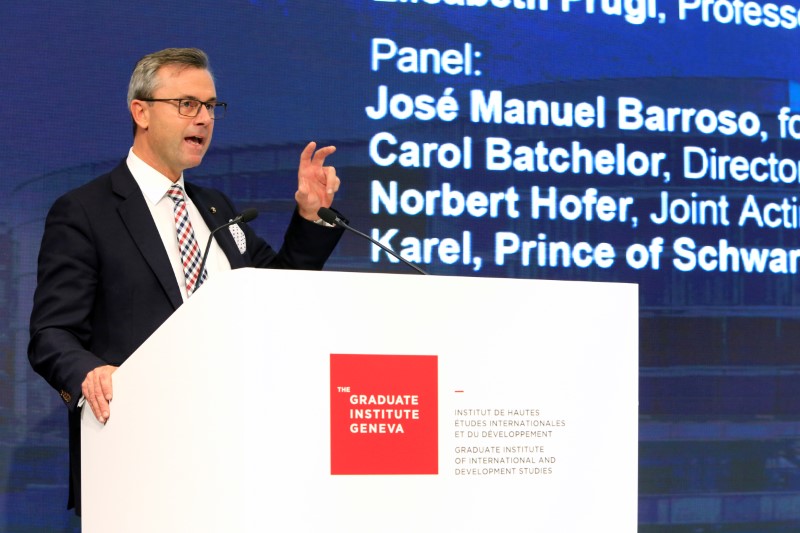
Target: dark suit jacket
105, 282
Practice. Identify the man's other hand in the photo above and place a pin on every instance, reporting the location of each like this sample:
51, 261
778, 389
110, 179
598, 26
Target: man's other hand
97, 390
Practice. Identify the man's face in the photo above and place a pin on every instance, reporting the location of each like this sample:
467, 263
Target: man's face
172, 142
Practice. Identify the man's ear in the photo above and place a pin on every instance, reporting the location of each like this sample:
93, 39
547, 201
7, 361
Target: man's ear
140, 112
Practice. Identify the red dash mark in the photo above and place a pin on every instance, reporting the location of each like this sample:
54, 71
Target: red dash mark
459, 391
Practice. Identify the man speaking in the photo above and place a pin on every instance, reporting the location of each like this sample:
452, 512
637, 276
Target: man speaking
121, 253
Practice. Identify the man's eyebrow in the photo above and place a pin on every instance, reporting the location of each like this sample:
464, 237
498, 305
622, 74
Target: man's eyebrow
190, 97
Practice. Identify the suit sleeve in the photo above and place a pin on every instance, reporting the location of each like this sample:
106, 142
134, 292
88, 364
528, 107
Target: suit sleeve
67, 279
306, 246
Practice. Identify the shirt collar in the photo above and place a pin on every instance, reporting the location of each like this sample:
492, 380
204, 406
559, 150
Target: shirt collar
154, 184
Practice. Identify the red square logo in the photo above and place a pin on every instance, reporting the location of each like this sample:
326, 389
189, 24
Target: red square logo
384, 414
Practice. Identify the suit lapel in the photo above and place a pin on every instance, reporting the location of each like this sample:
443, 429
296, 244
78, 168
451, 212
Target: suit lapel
139, 222
215, 216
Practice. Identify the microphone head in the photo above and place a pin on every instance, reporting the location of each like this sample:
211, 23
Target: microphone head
249, 214
328, 215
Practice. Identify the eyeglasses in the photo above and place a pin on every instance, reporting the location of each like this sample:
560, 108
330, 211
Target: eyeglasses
190, 107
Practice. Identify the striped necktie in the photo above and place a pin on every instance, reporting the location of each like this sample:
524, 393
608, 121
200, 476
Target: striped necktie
190, 250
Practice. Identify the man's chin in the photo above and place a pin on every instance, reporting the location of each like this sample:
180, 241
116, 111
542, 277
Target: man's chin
193, 154
193, 161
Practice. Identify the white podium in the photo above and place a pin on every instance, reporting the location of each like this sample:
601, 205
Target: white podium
343, 402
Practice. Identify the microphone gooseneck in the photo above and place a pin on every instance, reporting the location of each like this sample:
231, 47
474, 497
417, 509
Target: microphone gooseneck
330, 216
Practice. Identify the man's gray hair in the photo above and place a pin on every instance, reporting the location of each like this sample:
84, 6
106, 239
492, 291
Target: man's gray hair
144, 80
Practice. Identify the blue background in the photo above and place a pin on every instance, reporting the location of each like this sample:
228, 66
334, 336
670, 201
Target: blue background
720, 381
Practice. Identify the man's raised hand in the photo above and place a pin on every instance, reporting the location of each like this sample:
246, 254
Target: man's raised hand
316, 183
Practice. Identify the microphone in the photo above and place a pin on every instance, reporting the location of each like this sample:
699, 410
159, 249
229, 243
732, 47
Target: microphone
245, 216
330, 216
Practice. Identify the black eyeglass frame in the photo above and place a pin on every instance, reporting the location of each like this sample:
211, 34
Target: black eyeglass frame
211, 106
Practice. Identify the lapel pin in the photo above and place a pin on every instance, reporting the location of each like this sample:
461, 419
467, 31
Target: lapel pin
213, 210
